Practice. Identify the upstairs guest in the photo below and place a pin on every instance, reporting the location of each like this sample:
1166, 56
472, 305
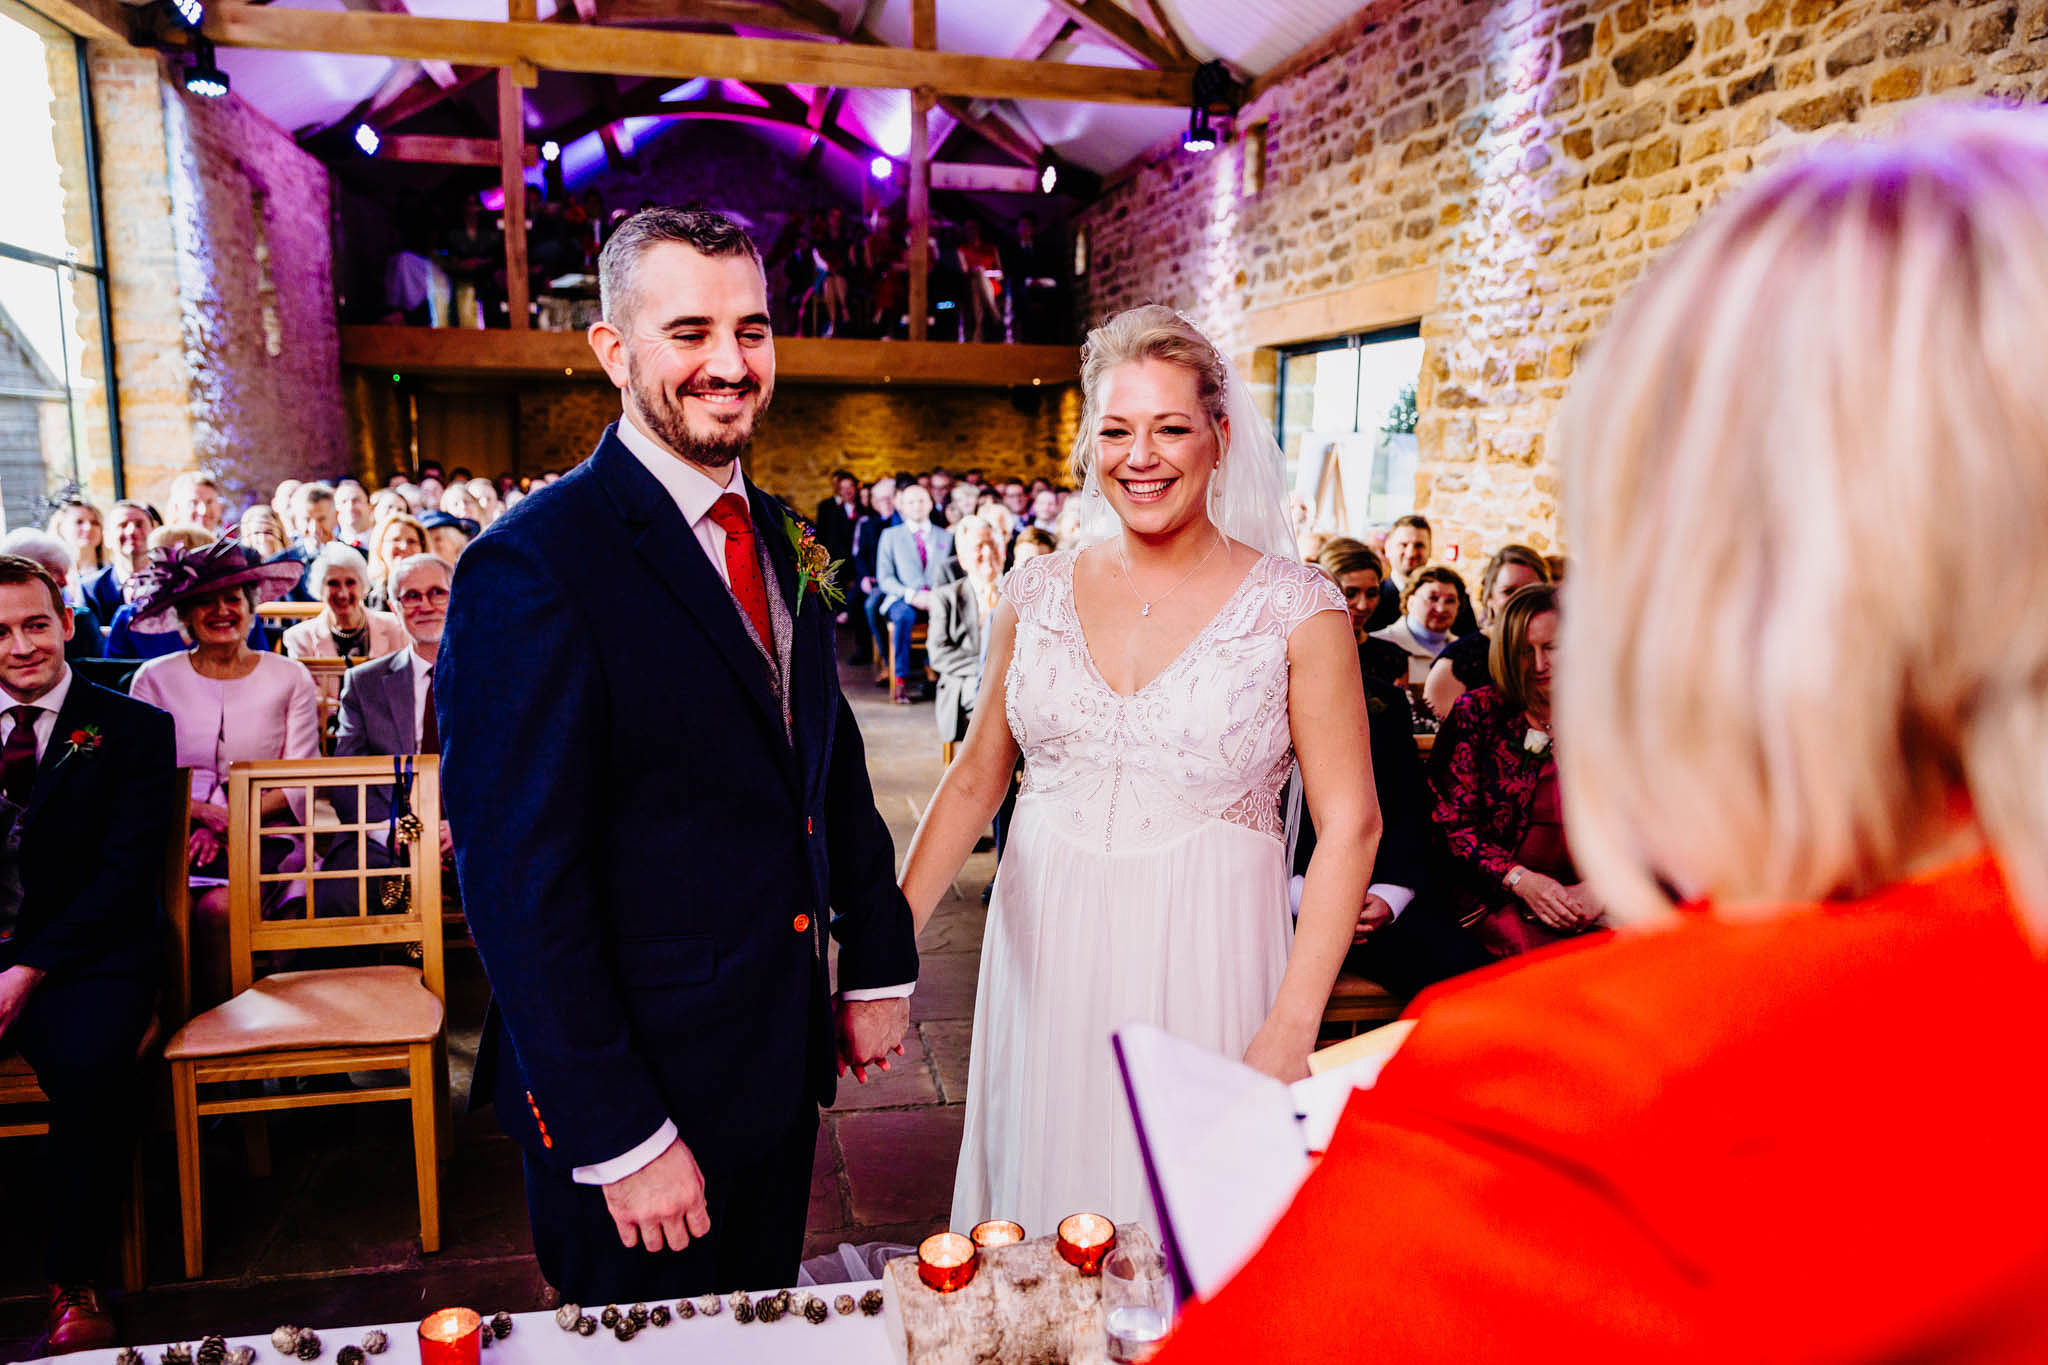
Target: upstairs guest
912, 559
1463, 664
195, 501
77, 523
398, 538
1498, 805
345, 628
448, 536
230, 703
86, 783
1429, 611
86, 641
133, 521
1713, 1140
263, 533
867, 539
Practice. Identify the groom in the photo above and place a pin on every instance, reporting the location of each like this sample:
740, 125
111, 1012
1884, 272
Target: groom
662, 804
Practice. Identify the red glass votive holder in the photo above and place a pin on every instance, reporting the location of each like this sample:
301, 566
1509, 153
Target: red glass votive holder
997, 1232
946, 1261
1084, 1239
452, 1336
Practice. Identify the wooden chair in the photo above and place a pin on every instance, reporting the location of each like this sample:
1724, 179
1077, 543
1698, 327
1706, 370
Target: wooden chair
322, 1022
18, 1088
947, 749
1357, 1004
327, 676
278, 617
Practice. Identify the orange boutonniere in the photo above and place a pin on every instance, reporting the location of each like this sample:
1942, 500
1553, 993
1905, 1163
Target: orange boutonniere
816, 570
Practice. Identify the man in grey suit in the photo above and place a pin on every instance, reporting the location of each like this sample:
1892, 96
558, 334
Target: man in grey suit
912, 559
955, 644
387, 707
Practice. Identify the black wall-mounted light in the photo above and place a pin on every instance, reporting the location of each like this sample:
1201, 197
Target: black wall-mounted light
204, 76
1216, 95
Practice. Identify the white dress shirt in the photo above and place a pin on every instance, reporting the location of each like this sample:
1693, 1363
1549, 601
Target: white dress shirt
46, 708
422, 671
694, 493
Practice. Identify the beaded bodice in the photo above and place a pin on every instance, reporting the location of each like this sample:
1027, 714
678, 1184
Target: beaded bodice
1207, 739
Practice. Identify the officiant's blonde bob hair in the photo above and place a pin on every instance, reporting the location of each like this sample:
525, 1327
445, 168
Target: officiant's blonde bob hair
1150, 331
1762, 699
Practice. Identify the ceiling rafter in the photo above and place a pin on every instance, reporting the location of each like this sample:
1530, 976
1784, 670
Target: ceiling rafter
1114, 25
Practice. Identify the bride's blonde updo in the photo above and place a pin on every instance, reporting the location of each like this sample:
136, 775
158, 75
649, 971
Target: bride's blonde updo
1148, 332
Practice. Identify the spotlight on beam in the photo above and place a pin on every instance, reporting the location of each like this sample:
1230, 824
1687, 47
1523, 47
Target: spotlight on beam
550, 150
203, 77
1199, 137
1217, 93
366, 138
190, 13
1048, 172
881, 168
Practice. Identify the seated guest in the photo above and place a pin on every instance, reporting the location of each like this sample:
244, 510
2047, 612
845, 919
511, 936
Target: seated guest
911, 560
387, 707
1032, 542
262, 532
130, 637
312, 524
345, 628
353, 516
397, 537
86, 776
78, 524
1428, 613
133, 521
230, 702
1495, 773
1357, 572
195, 501
1463, 664
1407, 549
867, 538
837, 518
954, 642
1663, 1147
86, 640
448, 536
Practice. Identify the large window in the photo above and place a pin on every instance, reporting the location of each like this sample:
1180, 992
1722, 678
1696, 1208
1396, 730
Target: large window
1346, 420
55, 432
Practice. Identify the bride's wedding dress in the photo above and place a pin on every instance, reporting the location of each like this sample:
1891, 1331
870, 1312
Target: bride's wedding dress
1144, 879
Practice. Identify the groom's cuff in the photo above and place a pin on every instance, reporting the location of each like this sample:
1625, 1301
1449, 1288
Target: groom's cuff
880, 992
619, 1167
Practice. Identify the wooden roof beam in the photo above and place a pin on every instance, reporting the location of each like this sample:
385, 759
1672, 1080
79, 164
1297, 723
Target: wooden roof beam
557, 47
1114, 25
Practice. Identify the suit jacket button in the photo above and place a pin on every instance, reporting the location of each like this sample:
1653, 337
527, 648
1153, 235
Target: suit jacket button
801, 923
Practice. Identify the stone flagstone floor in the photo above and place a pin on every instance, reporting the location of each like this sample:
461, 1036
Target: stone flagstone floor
328, 1236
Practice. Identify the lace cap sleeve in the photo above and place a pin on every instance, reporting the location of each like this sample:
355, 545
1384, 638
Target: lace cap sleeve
1032, 586
1299, 591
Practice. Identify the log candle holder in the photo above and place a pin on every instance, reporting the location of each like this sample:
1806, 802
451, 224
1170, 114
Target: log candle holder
946, 1261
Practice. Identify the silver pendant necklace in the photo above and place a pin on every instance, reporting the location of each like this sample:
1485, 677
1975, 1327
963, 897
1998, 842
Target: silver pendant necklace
1144, 607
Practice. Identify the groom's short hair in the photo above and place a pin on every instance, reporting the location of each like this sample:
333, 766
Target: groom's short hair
704, 232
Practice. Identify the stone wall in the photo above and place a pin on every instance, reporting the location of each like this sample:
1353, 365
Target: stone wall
219, 265
1537, 154
811, 429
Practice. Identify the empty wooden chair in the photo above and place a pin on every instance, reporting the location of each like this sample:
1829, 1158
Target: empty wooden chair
327, 676
323, 1021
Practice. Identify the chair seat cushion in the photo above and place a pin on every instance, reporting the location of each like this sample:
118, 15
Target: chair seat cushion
343, 1007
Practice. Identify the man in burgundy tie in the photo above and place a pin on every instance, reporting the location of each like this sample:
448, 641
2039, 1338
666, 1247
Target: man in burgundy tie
88, 777
662, 807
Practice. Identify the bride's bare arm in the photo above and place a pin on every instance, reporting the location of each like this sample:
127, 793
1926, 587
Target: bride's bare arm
974, 786
1332, 741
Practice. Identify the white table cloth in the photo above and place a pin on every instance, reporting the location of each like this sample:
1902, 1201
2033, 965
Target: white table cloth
536, 1340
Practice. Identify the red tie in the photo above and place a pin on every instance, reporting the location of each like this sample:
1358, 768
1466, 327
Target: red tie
743, 564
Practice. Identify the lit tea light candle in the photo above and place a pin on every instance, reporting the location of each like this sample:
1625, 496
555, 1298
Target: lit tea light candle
946, 1261
997, 1232
452, 1336
1084, 1239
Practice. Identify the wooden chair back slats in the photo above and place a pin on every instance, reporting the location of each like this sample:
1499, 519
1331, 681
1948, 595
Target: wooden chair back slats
327, 677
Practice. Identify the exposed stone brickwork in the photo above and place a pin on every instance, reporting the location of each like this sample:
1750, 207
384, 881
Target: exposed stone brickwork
1538, 154
811, 429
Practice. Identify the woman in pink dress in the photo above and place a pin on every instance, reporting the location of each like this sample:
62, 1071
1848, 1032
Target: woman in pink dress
230, 703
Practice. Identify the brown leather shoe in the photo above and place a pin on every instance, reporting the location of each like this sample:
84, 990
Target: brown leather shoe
79, 1320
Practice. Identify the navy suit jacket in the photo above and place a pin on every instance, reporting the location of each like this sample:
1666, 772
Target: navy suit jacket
648, 863
93, 837
867, 538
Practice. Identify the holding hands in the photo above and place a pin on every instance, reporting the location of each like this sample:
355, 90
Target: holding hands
869, 1030
1374, 914
1566, 909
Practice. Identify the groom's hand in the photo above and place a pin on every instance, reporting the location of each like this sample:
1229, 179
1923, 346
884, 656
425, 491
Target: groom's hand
869, 1030
661, 1204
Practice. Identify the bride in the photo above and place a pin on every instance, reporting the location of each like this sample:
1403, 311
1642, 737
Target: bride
1159, 683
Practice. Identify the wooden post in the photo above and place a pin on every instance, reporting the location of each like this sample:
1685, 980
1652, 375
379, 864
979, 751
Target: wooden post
924, 36
512, 177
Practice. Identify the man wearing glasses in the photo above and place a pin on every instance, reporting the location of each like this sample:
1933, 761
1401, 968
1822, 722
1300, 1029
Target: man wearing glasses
387, 707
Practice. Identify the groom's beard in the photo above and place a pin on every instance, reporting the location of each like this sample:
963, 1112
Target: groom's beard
712, 448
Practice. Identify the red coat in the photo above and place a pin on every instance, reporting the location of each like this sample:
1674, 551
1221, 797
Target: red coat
1817, 1137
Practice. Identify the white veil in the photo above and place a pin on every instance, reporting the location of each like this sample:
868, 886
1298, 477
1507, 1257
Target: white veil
1248, 496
